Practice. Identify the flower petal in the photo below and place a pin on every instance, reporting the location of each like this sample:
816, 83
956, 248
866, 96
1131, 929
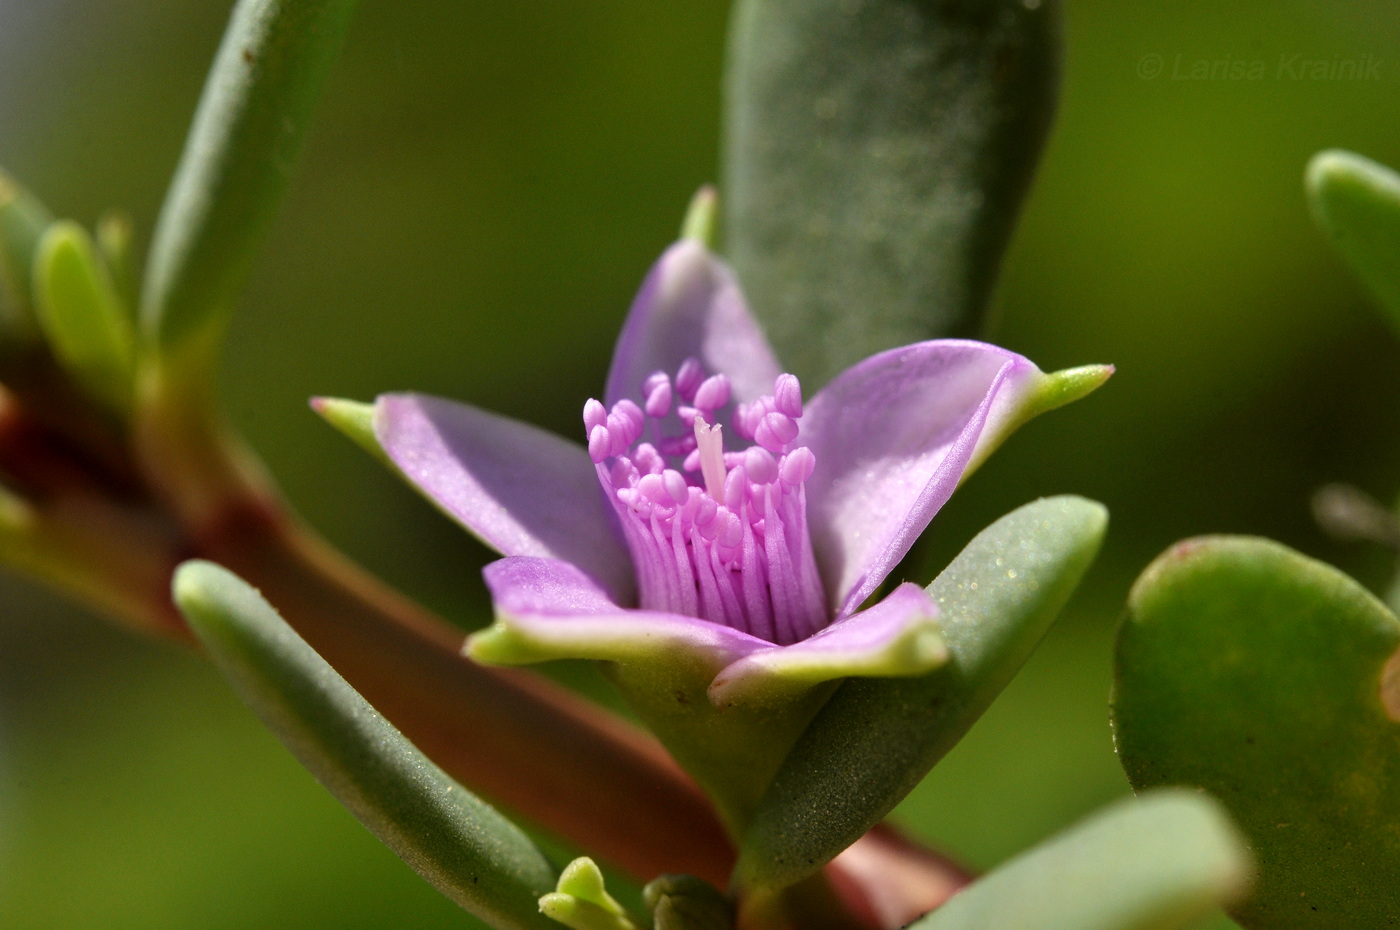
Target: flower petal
547, 609
517, 488
893, 436
690, 305
897, 637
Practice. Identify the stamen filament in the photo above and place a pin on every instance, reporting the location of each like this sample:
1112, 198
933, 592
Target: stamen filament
710, 440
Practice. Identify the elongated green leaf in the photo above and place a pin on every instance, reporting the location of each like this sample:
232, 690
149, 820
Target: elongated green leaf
1357, 202
1160, 862
1272, 681
876, 738
462, 846
247, 132
23, 220
82, 315
876, 155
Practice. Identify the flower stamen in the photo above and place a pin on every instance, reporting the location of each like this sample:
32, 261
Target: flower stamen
724, 535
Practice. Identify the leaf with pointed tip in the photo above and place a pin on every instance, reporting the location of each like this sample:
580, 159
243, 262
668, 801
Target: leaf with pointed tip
1163, 861
1272, 681
876, 738
462, 846
23, 220
249, 127
82, 315
876, 155
1357, 202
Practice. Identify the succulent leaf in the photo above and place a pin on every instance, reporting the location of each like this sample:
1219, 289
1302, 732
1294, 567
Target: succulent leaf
1270, 680
462, 846
876, 155
875, 739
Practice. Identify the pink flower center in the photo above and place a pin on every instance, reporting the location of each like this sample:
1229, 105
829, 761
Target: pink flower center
720, 535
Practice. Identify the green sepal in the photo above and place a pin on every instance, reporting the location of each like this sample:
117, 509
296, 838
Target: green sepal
1272, 681
23, 220
461, 845
1048, 391
114, 241
82, 316
702, 217
252, 117
581, 901
1163, 861
876, 155
1357, 203
876, 738
356, 421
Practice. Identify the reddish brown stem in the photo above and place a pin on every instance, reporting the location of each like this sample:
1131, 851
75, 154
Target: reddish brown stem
521, 741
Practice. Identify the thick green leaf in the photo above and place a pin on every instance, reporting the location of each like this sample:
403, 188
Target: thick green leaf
23, 220
1163, 861
82, 314
462, 846
1270, 680
1357, 202
247, 132
876, 155
875, 739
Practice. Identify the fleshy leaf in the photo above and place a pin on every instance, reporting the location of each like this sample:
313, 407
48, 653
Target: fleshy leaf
1160, 862
462, 846
23, 220
521, 490
876, 156
1357, 202
82, 315
875, 739
1270, 680
252, 117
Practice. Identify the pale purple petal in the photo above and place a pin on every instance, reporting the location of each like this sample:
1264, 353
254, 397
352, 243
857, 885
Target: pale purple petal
690, 305
547, 609
897, 637
519, 489
892, 437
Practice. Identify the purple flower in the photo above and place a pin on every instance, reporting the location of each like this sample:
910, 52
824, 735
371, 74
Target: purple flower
714, 521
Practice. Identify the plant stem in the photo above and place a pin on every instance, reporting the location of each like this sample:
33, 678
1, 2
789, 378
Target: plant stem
524, 742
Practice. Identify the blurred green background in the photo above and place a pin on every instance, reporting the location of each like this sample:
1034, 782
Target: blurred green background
483, 190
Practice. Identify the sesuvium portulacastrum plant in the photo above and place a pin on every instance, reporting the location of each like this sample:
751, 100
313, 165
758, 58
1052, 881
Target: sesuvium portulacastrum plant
719, 537
1272, 680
